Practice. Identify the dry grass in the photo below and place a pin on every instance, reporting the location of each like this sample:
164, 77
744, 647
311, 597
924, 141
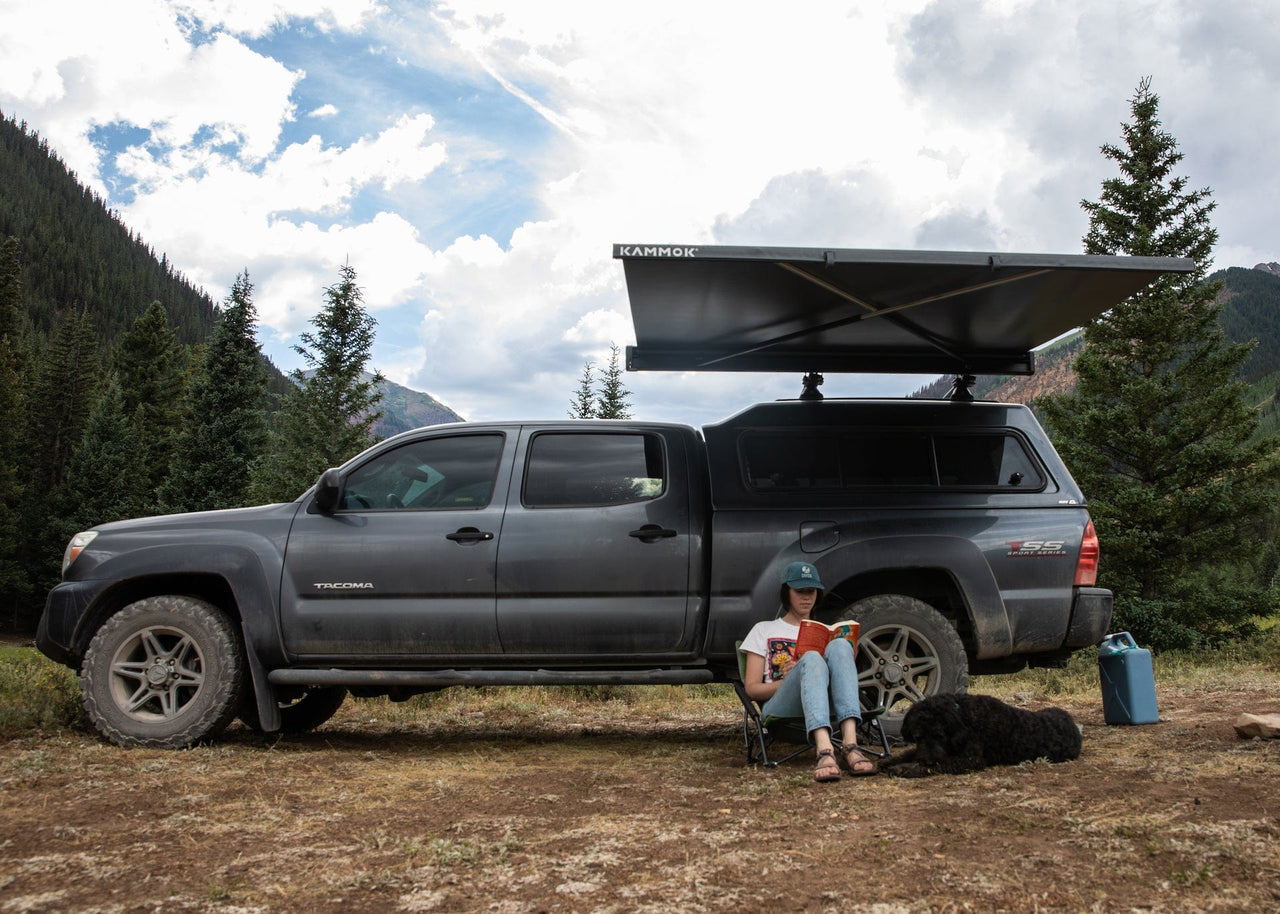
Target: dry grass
637, 799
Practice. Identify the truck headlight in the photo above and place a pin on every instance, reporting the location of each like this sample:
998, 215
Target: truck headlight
76, 546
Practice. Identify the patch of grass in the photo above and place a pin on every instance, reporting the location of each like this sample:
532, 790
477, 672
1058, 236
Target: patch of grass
467, 852
444, 851
1250, 663
1261, 651
36, 694
1078, 679
563, 710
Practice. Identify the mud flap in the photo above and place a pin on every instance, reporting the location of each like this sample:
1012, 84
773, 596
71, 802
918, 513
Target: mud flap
264, 693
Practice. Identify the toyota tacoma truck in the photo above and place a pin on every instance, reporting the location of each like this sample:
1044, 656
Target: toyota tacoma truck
612, 552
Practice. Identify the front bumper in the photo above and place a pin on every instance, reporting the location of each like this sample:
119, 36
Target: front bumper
64, 608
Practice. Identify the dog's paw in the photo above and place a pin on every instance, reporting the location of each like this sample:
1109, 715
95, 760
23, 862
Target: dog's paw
908, 770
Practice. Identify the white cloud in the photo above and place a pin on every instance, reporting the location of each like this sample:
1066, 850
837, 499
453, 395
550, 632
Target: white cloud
208, 202
724, 129
923, 124
685, 122
1059, 76
70, 67
255, 18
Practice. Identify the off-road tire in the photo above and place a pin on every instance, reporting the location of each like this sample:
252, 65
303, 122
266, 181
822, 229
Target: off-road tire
907, 650
165, 672
302, 708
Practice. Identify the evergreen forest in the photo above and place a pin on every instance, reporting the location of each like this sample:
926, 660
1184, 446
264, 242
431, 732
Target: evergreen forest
126, 391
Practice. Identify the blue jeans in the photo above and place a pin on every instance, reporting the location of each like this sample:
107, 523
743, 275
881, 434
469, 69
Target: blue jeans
821, 689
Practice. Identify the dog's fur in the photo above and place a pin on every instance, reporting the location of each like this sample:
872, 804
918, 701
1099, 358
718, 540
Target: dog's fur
957, 733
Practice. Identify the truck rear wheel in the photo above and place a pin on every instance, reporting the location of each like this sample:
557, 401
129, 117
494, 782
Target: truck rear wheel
907, 650
302, 708
165, 672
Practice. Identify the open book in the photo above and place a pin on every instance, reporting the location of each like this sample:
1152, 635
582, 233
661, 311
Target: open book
815, 636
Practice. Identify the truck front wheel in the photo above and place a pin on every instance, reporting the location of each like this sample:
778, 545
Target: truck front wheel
165, 672
907, 650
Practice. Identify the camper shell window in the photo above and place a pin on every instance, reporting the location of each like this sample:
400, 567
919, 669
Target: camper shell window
794, 460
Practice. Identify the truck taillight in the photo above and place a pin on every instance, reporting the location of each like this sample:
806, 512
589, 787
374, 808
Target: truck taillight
1087, 567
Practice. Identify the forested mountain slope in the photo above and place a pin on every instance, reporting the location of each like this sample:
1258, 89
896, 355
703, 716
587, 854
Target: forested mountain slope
76, 253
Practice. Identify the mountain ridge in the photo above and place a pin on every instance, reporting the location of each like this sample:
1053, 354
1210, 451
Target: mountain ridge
1248, 309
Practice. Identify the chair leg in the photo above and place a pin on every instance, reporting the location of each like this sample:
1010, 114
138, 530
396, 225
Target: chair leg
757, 744
872, 729
756, 738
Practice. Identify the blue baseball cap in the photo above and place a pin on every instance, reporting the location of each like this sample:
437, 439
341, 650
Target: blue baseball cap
799, 575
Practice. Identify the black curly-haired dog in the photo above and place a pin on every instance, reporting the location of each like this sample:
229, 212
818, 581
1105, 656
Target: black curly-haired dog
957, 733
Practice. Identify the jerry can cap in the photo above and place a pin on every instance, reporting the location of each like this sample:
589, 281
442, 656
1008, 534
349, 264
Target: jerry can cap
1117, 643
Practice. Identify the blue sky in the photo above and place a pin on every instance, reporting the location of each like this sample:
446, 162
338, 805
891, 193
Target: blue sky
475, 160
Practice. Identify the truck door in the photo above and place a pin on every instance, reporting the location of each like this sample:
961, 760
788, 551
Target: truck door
406, 564
595, 546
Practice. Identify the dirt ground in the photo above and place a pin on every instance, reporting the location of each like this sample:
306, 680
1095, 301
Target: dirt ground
626, 813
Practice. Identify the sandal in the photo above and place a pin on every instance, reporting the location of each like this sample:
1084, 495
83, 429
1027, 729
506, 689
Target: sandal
827, 768
858, 763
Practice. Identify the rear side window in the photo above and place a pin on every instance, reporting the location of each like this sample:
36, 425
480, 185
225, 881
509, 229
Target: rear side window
808, 460
588, 469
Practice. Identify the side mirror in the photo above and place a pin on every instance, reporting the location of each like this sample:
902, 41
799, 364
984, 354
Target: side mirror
327, 491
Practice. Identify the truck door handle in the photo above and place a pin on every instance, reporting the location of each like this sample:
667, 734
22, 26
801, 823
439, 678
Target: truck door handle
468, 535
651, 533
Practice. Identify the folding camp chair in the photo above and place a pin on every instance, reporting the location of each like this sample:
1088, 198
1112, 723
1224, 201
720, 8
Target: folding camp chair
770, 730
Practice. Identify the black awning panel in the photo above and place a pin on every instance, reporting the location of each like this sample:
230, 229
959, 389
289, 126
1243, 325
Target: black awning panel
714, 308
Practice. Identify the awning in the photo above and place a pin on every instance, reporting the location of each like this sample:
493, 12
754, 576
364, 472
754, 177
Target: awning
717, 308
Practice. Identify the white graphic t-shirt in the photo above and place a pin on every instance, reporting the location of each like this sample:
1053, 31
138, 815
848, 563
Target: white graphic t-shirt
775, 641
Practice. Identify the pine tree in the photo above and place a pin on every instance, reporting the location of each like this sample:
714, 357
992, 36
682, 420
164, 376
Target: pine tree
10, 290
1158, 433
225, 429
13, 578
65, 388
103, 483
583, 405
151, 387
611, 403
327, 418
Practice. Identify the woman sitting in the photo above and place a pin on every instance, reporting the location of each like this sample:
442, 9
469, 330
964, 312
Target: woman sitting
820, 687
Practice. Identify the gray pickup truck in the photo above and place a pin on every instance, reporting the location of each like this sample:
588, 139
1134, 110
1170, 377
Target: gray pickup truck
592, 552
588, 552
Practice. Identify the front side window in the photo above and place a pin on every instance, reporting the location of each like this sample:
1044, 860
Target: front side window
454, 472
593, 469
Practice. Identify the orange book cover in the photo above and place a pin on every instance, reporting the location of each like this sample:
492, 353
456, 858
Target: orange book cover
815, 636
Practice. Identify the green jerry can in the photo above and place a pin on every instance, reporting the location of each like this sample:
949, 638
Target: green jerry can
1128, 681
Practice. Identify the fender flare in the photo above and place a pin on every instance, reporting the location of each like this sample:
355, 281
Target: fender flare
959, 559
254, 587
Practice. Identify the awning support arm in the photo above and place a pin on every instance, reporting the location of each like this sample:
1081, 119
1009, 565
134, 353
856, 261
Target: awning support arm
872, 311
